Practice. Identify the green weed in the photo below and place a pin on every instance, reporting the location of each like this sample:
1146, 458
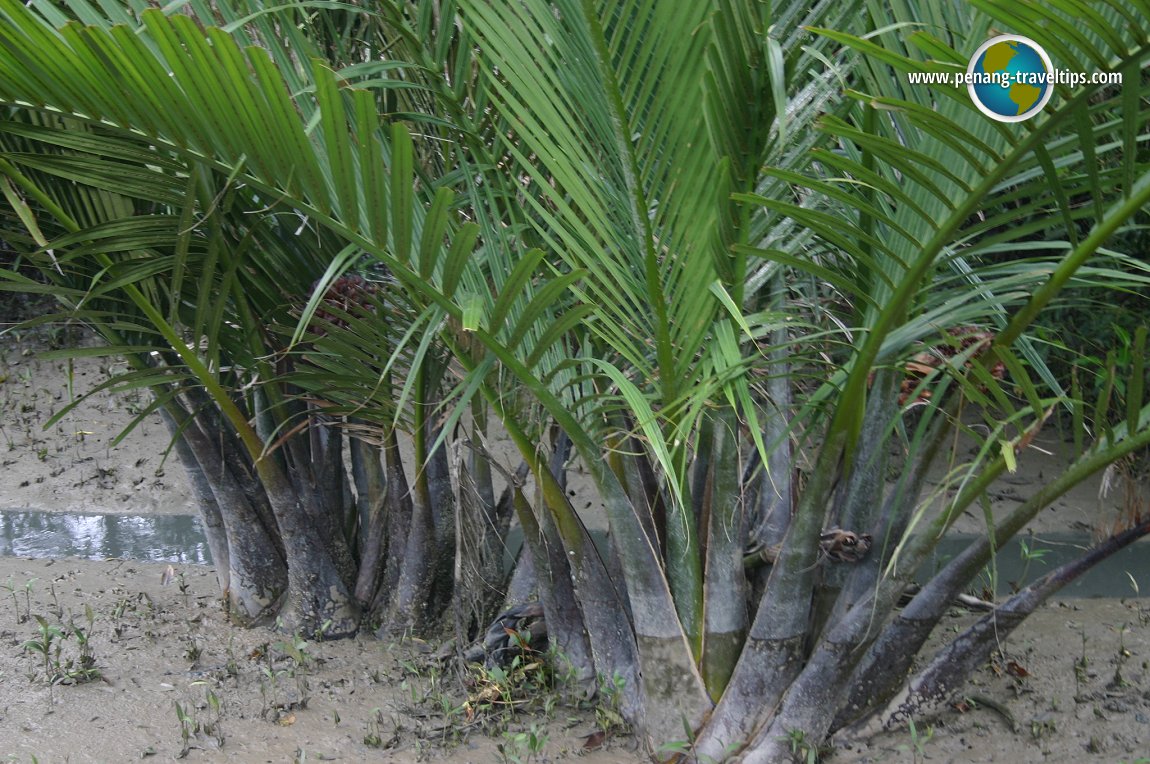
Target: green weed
1029, 554
801, 749
204, 718
522, 747
27, 589
49, 643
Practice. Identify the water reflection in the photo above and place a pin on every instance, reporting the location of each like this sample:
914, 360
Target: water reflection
179, 538
1021, 561
161, 538
1026, 558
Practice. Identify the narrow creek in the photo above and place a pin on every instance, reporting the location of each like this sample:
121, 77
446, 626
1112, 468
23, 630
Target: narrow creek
159, 538
180, 538
1026, 558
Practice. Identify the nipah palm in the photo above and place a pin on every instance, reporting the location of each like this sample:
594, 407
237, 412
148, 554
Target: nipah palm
722, 255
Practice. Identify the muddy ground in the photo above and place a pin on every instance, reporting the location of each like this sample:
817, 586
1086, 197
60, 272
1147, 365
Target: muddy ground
1072, 685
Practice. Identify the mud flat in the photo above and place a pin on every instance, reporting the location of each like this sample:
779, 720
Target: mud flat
1071, 685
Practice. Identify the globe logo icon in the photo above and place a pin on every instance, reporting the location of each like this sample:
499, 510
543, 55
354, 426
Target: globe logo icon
1010, 78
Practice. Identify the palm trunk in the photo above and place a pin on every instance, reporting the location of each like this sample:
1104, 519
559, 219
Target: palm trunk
894, 512
318, 601
413, 585
210, 514
809, 703
441, 499
724, 580
399, 509
562, 605
944, 676
661, 688
771, 486
480, 537
887, 661
410, 605
371, 502
256, 575
775, 648
545, 562
674, 696
322, 481
524, 584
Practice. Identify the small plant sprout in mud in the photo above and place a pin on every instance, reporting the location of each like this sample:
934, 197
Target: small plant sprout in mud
28, 599
296, 650
608, 717
171, 576
525, 682
56, 609
11, 589
46, 643
321, 632
918, 741
522, 747
187, 728
373, 738
200, 718
232, 667
1080, 667
1143, 612
192, 650
49, 646
801, 748
288, 659
668, 750
299, 664
1120, 659
1042, 726
1029, 554
269, 691
212, 726
84, 668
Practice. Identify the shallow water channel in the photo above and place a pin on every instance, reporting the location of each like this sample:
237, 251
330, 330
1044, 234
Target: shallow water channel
159, 538
180, 538
1025, 558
